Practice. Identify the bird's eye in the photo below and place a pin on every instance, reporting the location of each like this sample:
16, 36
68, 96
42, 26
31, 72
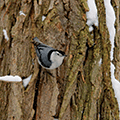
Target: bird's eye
58, 54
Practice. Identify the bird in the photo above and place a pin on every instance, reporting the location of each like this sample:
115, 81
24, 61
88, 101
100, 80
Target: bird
48, 57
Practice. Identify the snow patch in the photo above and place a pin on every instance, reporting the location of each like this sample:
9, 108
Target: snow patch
5, 34
16, 78
100, 62
110, 20
92, 18
21, 13
10, 78
43, 18
40, 2
115, 84
26, 80
90, 28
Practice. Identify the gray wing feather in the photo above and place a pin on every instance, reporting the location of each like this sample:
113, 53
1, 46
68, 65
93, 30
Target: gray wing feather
42, 51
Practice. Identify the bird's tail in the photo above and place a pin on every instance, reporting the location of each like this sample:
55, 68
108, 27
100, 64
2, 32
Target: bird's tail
36, 41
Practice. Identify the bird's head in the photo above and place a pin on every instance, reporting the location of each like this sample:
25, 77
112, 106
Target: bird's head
57, 57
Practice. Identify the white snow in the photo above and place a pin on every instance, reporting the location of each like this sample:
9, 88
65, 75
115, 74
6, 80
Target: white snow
115, 84
26, 80
40, 2
110, 20
43, 18
10, 78
21, 13
92, 18
5, 34
16, 78
100, 62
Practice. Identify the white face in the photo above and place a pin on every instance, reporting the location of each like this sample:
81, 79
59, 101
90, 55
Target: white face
57, 59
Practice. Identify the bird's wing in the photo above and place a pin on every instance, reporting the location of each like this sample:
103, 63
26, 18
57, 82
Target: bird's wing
42, 51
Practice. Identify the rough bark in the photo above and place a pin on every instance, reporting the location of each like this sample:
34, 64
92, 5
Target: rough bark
81, 88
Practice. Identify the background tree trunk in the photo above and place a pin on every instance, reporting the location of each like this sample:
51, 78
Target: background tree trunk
81, 88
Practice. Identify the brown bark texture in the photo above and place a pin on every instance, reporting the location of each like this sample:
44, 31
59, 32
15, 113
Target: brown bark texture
81, 88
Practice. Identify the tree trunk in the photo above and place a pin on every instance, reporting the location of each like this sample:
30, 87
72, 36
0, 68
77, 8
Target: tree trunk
81, 88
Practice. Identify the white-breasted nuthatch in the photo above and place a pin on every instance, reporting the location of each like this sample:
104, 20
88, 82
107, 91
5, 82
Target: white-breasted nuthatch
48, 57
